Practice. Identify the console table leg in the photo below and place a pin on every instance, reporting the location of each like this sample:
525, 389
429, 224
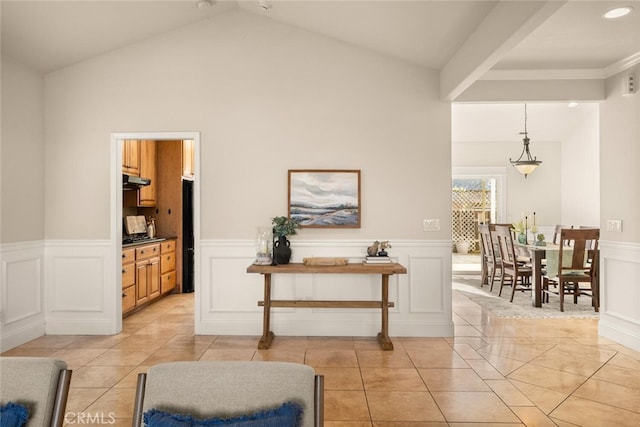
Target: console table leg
267, 335
383, 336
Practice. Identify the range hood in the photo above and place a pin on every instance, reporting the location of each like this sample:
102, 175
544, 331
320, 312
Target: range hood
130, 182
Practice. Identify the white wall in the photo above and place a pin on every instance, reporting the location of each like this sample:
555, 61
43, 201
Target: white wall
265, 98
620, 199
22, 315
22, 161
580, 171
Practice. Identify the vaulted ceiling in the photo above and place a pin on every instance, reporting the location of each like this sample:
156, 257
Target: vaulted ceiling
466, 41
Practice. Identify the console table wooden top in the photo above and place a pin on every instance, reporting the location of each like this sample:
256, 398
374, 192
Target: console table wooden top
384, 270
299, 268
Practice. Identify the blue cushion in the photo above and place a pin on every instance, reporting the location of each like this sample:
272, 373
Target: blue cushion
287, 415
13, 415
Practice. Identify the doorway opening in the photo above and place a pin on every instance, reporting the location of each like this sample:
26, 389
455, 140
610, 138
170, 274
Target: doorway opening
173, 203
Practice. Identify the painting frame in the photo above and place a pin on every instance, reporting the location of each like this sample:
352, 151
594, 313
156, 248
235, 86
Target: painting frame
324, 198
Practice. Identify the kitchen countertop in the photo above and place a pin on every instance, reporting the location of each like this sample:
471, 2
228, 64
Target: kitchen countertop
144, 242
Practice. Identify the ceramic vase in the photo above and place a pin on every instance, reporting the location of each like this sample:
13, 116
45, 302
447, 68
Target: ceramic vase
282, 250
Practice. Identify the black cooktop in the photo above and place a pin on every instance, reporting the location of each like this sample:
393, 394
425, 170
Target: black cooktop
138, 238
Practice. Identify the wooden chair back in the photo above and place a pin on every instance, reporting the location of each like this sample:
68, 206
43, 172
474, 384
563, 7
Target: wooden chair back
590, 243
507, 250
584, 244
486, 245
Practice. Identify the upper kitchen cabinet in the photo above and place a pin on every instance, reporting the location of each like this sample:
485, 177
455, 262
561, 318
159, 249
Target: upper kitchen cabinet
187, 157
131, 157
147, 194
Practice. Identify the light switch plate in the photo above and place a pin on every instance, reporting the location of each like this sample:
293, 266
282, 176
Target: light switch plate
614, 225
430, 225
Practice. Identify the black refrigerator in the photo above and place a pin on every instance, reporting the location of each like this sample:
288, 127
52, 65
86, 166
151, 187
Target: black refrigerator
187, 236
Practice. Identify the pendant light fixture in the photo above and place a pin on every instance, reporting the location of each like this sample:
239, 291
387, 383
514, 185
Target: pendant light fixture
525, 163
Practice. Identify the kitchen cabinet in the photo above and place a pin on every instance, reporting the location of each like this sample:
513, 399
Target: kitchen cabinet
147, 194
167, 266
128, 280
141, 273
147, 273
131, 157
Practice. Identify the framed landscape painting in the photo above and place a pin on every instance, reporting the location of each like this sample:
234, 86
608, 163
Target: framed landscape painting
325, 198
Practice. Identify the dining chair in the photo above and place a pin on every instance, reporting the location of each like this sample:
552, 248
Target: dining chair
211, 391
589, 243
490, 259
577, 265
518, 273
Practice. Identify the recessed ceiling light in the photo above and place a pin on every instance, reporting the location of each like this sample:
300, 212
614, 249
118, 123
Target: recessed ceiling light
203, 4
265, 4
572, 104
618, 12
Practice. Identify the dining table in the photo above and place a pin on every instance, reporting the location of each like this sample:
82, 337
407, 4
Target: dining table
536, 255
544, 263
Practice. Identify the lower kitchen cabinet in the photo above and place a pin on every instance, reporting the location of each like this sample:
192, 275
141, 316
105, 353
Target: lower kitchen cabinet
141, 267
147, 280
167, 266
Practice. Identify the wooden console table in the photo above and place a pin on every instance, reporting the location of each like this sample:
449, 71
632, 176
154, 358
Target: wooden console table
385, 270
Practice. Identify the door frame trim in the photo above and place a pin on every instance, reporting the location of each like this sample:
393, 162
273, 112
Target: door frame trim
116, 211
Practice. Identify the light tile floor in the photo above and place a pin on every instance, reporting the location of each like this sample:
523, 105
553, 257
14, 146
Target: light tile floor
493, 372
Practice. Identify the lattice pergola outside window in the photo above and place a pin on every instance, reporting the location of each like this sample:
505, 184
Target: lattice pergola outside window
470, 206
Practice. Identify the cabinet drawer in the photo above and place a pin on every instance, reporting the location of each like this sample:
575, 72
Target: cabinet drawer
128, 298
167, 282
128, 255
145, 252
167, 263
167, 246
128, 275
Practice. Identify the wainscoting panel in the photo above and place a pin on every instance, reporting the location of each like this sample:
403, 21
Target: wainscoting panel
229, 295
426, 293
620, 293
22, 294
82, 288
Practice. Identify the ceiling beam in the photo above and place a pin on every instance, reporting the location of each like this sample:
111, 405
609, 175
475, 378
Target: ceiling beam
508, 24
582, 90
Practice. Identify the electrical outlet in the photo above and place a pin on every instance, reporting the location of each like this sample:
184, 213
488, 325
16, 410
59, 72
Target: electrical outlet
614, 225
430, 225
